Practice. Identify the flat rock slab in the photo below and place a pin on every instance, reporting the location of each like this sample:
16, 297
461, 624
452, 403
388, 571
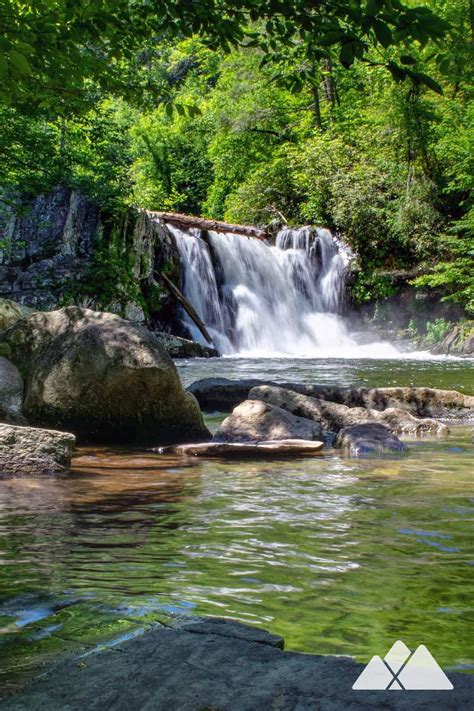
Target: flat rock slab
218, 665
276, 448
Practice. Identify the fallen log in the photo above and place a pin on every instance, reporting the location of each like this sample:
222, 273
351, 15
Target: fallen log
268, 448
200, 223
175, 292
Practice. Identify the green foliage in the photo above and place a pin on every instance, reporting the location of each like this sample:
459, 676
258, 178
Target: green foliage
436, 330
107, 280
247, 111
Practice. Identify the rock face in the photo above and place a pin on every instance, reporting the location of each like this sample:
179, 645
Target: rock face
368, 438
104, 378
256, 421
272, 448
334, 417
226, 666
224, 394
11, 393
49, 238
26, 451
177, 347
459, 340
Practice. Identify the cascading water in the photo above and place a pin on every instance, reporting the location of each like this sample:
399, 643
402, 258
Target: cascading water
263, 300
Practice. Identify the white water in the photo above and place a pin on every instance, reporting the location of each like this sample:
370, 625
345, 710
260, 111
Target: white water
259, 300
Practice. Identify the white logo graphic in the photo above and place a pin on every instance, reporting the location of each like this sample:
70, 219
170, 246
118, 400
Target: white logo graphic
400, 670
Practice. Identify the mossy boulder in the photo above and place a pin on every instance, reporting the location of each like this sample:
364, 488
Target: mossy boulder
10, 312
101, 377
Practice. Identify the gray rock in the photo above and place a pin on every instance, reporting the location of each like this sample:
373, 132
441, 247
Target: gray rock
368, 438
27, 451
101, 377
11, 393
224, 394
178, 347
334, 417
266, 448
202, 665
255, 420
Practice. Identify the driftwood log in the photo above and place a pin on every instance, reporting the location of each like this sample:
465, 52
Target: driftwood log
180, 298
187, 221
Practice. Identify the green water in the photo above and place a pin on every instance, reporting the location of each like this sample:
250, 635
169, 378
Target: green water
339, 556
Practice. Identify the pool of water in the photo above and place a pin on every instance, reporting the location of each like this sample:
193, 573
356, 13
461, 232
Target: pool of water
339, 556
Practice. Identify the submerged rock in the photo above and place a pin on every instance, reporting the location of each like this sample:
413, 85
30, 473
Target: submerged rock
333, 417
255, 421
208, 664
102, 377
285, 447
368, 438
178, 347
11, 393
28, 451
224, 394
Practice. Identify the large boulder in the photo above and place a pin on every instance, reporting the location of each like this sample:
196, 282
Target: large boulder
11, 393
224, 394
334, 417
102, 377
27, 451
255, 421
368, 438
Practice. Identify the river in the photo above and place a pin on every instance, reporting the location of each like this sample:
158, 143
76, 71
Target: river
340, 556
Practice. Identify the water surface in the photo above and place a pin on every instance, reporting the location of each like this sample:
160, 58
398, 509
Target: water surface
339, 556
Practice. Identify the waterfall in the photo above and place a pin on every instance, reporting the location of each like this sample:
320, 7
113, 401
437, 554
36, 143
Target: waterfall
260, 300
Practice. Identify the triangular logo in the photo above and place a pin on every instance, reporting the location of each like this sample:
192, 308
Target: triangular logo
422, 671
401, 670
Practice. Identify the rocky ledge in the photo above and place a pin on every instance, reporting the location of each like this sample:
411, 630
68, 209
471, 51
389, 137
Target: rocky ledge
218, 664
224, 394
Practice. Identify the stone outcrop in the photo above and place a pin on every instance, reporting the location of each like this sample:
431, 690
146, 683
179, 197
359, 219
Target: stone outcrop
48, 239
11, 393
27, 451
255, 420
367, 439
333, 417
219, 664
101, 377
266, 448
177, 347
224, 394
459, 340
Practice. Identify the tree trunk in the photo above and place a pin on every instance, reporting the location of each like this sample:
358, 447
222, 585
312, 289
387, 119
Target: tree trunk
180, 298
200, 223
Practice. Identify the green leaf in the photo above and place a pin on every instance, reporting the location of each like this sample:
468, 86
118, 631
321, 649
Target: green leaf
383, 33
20, 62
406, 59
429, 82
346, 55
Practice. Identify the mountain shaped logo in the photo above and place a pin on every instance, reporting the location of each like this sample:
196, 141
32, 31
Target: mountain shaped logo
402, 670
